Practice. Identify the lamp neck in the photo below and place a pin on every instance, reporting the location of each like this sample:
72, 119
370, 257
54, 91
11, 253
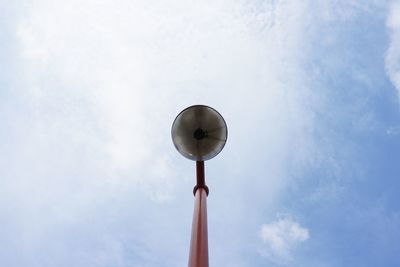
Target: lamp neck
200, 178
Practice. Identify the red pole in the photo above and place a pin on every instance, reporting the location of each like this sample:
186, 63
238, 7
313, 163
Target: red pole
198, 255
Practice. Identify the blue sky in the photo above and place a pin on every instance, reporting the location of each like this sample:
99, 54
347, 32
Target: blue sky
310, 93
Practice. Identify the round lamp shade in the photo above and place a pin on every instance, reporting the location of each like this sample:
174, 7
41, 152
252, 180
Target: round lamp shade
199, 132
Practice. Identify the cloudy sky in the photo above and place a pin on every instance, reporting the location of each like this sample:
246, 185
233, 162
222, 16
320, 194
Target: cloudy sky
309, 176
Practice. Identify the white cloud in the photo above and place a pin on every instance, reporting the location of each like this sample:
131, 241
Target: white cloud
281, 237
115, 75
101, 82
393, 53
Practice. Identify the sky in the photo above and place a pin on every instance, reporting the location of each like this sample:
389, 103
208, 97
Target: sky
309, 176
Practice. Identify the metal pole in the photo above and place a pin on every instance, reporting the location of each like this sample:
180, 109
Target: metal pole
198, 256
200, 179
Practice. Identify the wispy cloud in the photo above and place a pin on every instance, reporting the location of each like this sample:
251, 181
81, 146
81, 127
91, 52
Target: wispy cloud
393, 52
394, 130
281, 237
101, 83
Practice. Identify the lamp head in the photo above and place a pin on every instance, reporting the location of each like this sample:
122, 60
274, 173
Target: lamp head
199, 132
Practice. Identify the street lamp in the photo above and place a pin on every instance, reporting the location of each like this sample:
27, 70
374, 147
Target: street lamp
199, 133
